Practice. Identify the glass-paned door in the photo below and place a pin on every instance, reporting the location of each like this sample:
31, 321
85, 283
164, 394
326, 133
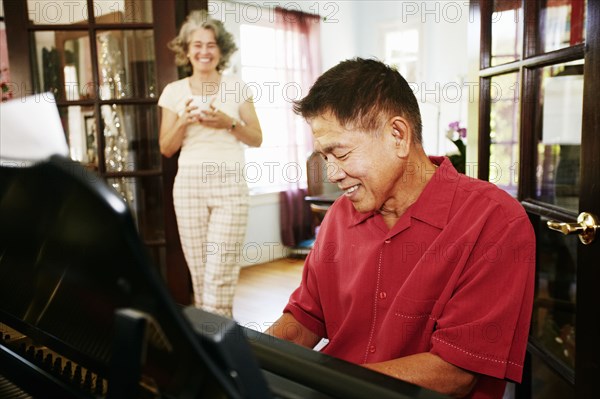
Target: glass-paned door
539, 140
98, 60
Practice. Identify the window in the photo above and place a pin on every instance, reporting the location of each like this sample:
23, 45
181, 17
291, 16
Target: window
261, 67
401, 49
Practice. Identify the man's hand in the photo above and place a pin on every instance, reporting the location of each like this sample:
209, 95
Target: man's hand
289, 329
429, 371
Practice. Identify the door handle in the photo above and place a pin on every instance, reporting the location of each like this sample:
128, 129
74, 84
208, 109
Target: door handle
586, 227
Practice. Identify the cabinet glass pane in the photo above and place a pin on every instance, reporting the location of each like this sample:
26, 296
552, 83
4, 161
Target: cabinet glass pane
122, 11
507, 31
131, 137
547, 384
554, 309
62, 64
562, 23
79, 123
44, 12
504, 132
559, 142
145, 200
126, 64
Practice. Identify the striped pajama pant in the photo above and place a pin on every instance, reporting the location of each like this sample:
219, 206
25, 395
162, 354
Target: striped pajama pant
211, 206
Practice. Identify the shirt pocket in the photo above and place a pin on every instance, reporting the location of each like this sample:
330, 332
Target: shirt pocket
414, 324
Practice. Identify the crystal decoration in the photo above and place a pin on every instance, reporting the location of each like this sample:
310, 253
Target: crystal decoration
112, 86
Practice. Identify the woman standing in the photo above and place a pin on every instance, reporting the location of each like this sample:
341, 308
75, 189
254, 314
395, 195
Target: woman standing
208, 118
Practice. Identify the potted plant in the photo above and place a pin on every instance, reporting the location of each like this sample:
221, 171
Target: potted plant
458, 135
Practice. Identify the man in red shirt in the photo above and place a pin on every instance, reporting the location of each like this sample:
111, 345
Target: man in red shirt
418, 272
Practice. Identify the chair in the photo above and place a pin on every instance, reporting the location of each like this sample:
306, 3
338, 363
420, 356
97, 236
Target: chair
320, 191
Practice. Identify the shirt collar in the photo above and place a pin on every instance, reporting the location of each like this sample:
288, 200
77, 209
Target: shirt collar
433, 205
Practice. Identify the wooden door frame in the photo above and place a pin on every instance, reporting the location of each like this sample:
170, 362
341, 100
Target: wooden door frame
587, 362
177, 273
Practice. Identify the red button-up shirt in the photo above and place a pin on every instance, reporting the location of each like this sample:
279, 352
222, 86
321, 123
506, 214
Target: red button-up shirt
453, 277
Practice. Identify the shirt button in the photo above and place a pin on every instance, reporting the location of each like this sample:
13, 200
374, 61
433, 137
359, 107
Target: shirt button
382, 295
388, 241
372, 348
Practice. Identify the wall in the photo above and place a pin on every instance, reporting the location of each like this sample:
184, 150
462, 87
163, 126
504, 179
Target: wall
263, 239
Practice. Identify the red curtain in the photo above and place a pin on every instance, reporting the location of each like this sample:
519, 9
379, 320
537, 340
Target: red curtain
5, 83
301, 59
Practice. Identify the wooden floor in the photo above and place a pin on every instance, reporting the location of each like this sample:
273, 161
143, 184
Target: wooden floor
263, 292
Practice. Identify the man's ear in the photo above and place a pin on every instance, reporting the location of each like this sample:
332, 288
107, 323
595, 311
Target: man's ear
402, 135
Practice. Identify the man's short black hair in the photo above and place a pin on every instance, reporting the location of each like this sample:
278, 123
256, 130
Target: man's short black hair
358, 93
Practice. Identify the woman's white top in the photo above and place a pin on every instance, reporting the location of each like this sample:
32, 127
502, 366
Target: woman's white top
204, 145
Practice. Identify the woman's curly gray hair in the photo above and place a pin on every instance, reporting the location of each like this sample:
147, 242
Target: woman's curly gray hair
201, 19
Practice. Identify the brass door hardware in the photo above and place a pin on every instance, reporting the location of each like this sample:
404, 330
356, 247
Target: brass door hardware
586, 227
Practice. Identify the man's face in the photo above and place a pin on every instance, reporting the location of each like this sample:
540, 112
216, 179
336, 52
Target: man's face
366, 166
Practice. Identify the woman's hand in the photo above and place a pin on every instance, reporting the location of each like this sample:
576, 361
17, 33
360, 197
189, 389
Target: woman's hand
188, 116
247, 129
173, 128
215, 119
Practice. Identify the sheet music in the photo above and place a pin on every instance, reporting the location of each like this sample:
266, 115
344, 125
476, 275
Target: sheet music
30, 130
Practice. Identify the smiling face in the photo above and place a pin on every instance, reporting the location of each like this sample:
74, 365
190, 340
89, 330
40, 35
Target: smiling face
366, 166
203, 51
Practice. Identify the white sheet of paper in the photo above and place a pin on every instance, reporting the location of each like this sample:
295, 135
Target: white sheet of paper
30, 129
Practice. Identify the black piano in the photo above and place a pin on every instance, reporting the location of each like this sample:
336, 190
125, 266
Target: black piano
84, 314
